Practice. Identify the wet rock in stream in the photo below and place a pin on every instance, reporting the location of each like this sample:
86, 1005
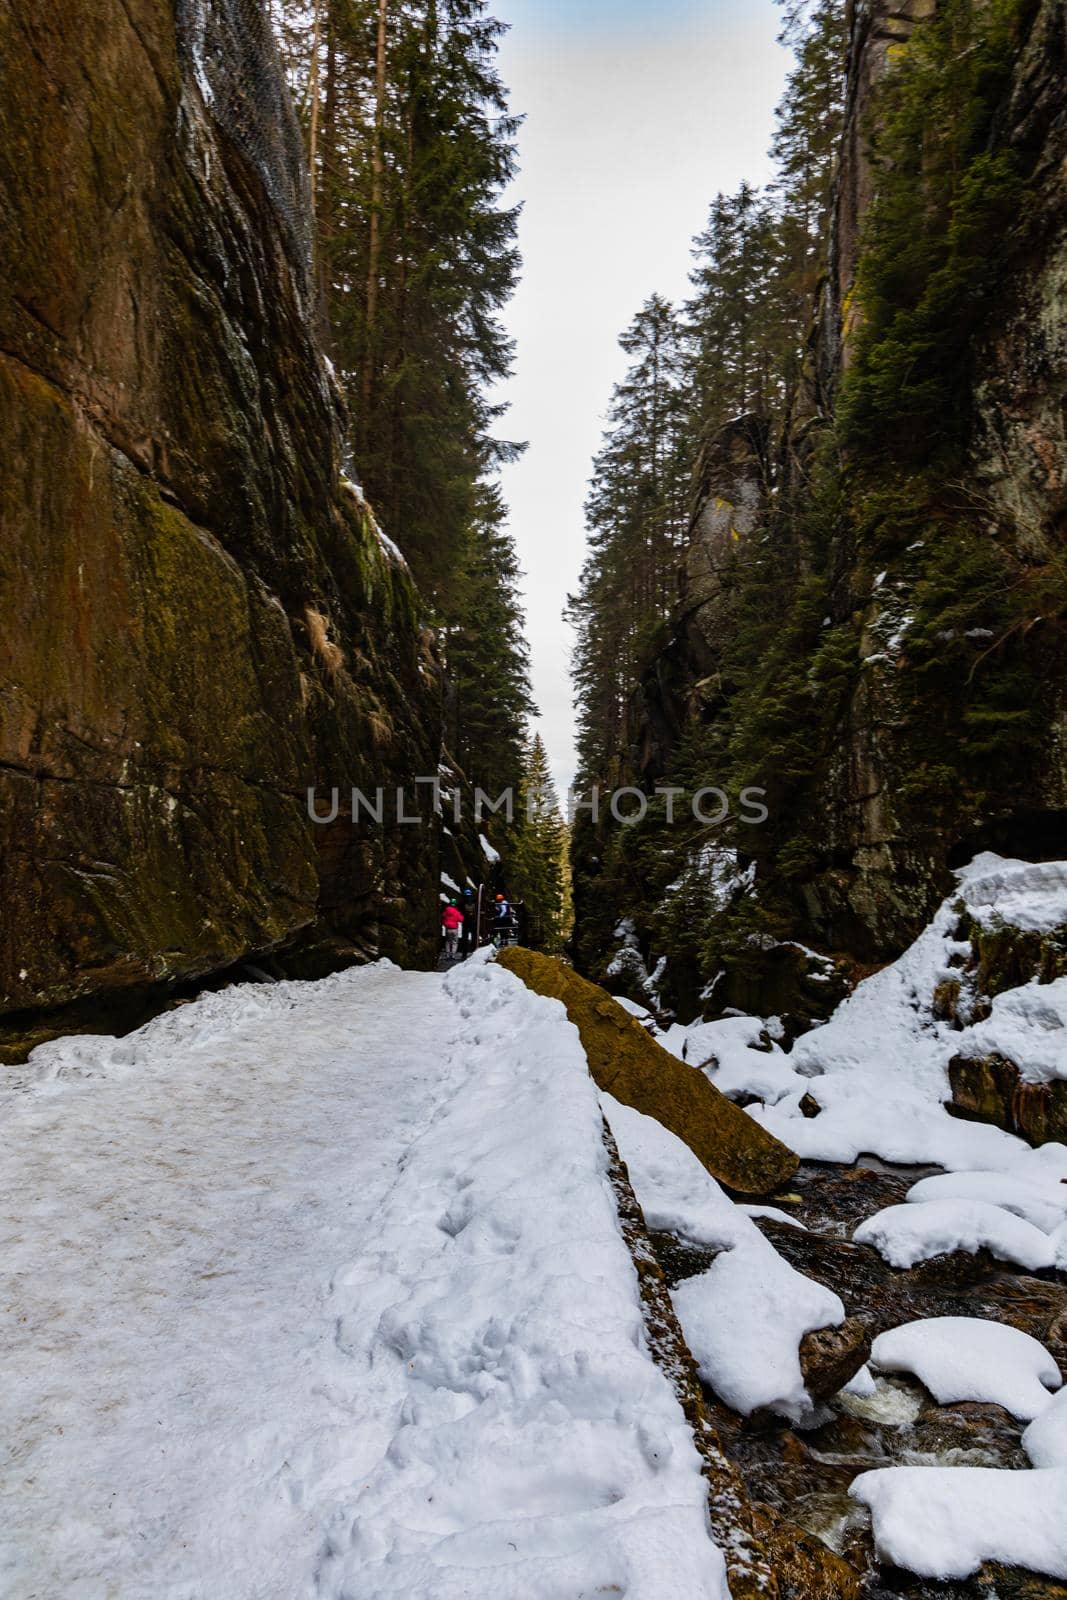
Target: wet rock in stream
958, 1285
804, 1475
831, 1357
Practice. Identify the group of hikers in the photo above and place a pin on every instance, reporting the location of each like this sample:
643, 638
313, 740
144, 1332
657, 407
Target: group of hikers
479, 918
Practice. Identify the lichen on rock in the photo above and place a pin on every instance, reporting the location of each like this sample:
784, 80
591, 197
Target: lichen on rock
627, 1063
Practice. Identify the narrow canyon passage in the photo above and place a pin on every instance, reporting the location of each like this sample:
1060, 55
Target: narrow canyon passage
533, 800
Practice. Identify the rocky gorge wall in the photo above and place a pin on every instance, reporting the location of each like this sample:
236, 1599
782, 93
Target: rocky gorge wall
198, 617
954, 732
908, 707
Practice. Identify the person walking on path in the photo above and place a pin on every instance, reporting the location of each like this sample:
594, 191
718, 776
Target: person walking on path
503, 922
451, 922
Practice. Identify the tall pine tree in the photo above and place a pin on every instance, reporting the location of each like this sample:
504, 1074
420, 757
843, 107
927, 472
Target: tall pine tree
636, 517
487, 658
410, 145
539, 857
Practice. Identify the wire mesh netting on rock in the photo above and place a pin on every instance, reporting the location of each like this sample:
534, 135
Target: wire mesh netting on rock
228, 47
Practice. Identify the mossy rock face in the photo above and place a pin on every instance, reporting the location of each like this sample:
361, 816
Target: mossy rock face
1007, 957
626, 1062
991, 1089
173, 514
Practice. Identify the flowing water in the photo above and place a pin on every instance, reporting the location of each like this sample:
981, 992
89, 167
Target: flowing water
806, 1473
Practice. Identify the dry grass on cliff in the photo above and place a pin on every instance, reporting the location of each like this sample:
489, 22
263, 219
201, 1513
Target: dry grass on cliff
329, 655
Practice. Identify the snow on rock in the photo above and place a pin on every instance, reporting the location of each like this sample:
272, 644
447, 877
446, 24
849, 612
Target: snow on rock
1059, 1247
676, 1191
1043, 1205
774, 1214
724, 879
491, 855
863, 1113
907, 1234
880, 1064
1045, 1440
744, 1317
628, 964
944, 1522
863, 1386
733, 1054
391, 548
642, 1013
714, 873
885, 1028
967, 1358
1027, 1026
1045, 1165
1021, 894
320, 1288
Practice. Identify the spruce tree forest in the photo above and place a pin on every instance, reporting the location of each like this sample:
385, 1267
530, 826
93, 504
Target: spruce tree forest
410, 143
829, 366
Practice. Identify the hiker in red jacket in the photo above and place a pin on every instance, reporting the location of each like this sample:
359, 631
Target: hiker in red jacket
451, 922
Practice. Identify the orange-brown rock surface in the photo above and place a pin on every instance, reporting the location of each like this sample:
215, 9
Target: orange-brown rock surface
197, 618
628, 1063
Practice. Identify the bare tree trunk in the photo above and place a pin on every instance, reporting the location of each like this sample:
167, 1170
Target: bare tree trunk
374, 247
325, 210
313, 91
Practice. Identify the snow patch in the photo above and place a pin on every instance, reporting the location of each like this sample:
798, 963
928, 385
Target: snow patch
1043, 1205
744, 1317
968, 1358
642, 1013
881, 1062
1000, 891
1045, 1440
303, 1233
1028, 1026
907, 1234
738, 1055
944, 1522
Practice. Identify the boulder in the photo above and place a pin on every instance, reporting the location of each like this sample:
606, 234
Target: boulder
831, 1357
626, 1062
992, 1089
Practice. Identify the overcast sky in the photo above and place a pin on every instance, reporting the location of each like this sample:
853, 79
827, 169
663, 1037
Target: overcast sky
637, 112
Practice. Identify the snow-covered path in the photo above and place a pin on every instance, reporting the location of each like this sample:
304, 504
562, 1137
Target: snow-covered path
318, 1290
